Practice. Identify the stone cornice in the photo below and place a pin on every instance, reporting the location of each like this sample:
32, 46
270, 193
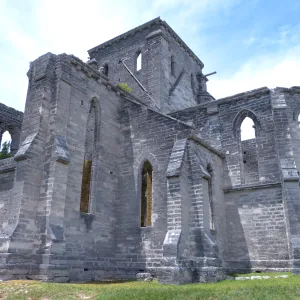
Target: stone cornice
156, 21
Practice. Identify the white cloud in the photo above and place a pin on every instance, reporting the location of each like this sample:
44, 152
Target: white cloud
282, 70
74, 27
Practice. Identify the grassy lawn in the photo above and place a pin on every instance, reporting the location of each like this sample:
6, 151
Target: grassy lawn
271, 289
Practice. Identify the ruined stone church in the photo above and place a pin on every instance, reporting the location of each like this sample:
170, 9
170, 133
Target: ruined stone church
126, 164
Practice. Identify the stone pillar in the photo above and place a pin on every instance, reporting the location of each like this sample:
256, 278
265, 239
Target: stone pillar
290, 177
22, 236
174, 268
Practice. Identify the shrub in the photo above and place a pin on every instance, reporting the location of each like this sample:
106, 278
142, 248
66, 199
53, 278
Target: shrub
125, 87
5, 151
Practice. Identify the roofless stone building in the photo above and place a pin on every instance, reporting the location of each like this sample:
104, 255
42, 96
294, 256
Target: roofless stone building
108, 184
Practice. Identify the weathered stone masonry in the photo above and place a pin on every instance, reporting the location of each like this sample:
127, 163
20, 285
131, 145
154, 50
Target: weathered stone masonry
75, 203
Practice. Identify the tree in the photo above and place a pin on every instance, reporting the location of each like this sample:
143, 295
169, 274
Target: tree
5, 151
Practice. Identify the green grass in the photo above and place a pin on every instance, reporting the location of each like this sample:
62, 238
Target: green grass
272, 274
271, 289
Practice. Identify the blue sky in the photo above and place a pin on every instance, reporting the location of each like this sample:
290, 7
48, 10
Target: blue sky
249, 43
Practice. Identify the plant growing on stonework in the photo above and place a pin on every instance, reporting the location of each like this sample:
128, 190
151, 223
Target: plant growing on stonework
125, 87
5, 151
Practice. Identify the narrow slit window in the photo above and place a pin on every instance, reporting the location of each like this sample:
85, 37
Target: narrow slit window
172, 65
105, 70
247, 129
210, 198
146, 197
299, 120
139, 61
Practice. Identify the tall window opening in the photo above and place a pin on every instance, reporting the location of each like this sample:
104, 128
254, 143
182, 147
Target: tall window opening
172, 65
248, 152
210, 198
207, 190
146, 199
5, 143
105, 70
139, 61
90, 144
247, 129
299, 120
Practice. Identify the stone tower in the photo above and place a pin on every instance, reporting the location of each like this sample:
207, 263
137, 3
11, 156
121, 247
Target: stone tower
170, 74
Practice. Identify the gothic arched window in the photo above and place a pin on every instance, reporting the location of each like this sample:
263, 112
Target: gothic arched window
247, 129
146, 197
90, 146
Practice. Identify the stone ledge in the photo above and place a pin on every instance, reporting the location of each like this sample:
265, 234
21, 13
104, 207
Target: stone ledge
252, 187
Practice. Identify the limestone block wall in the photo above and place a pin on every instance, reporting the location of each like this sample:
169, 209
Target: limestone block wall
218, 123
292, 98
255, 216
256, 229
146, 135
207, 213
11, 121
127, 49
180, 82
7, 176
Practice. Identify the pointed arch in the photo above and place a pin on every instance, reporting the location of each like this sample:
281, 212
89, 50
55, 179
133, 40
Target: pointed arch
247, 145
240, 117
146, 194
90, 155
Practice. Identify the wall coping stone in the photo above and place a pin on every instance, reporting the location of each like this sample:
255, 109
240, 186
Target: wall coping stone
206, 145
254, 186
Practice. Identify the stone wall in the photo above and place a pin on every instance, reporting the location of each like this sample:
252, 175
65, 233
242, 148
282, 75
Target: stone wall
255, 213
11, 121
7, 175
256, 229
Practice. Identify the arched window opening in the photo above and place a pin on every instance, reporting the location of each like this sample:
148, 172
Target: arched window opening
90, 144
172, 65
207, 192
247, 129
146, 199
105, 70
210, 198
5, 142
139, 61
